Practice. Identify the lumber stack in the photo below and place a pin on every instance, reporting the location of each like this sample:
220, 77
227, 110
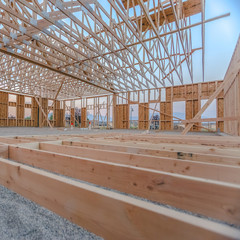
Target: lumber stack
186, 181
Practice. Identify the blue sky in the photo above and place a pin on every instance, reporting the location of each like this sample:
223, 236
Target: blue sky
221, 38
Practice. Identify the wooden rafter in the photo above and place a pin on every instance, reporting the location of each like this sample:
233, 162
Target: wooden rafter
94, 51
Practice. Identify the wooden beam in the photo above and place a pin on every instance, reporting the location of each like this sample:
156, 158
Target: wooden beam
232, 93
194, 148
213, 156
184, 167
13, 140
43, 65
54, 101
161, 112
228, 80
211, 119
206, 105
143, 136
190, 7
107, 214
44, 114
190, 140
189, 193
3, 151
125, 3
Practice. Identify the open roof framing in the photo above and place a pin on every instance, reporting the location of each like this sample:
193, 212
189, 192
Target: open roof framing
66, 49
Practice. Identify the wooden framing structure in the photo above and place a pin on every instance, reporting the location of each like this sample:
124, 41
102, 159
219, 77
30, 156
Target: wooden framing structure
100, 110
232, 93
102, 114
157, 170
78, 62
38, 107
135, 46
78, 48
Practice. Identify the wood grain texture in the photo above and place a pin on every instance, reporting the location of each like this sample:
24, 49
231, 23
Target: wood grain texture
184, 152
211, 198
190, 7
3, 151
105, 213
184, 167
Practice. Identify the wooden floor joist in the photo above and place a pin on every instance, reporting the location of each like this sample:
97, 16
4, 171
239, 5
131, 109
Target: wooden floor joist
203, 149
184, 192
191, 141
106, 213
13, 140
213, 156
199, 179
3, 151
172, 165
160, 138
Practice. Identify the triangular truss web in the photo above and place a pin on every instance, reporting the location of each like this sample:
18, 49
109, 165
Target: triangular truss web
81, 47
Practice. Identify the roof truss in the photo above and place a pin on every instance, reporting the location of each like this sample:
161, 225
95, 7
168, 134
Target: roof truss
93, 47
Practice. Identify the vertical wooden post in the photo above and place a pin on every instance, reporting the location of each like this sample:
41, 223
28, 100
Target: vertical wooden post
7, 95
128, 109
172, 107
209, 101
63, 116
108, 106
40, 112
98, 111
45, 115
114, 113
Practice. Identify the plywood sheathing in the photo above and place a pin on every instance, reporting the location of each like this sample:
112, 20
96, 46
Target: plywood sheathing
232, 93
191, 94
84, 122
232, 106
3, 109
143, 116
37, 117
190, 7
122, 116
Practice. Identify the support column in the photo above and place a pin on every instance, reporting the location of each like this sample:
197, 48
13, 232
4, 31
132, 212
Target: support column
114, 110
39, 111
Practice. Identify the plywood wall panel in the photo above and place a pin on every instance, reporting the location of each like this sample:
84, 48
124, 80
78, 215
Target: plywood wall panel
168, 94
143, 116
166, 120
122, 116
44, 103
12, 122
191, 93
232, 107
72, 116
3, 108
58, 115
232, 93
20, 110
35, 110
84, 117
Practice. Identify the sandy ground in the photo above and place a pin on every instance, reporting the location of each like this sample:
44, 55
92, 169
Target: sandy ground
21, 219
